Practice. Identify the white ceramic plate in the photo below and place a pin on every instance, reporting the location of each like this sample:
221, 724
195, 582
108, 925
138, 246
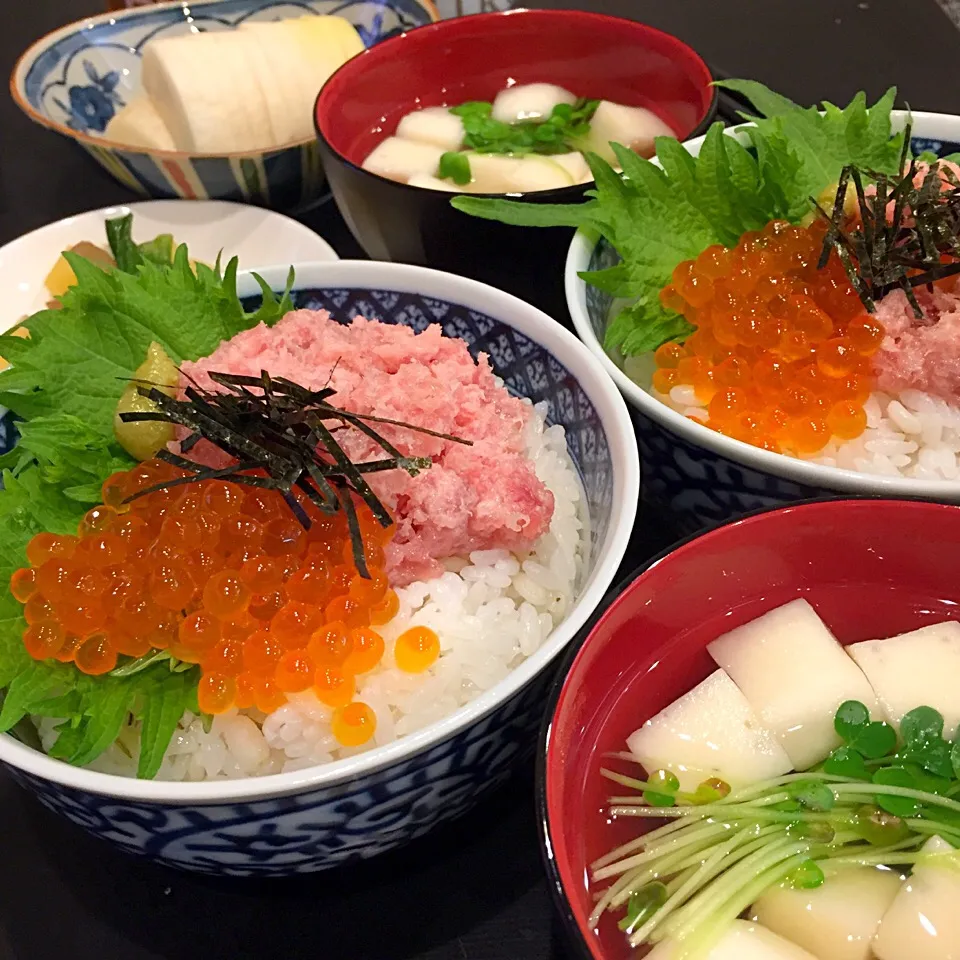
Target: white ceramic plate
260, 238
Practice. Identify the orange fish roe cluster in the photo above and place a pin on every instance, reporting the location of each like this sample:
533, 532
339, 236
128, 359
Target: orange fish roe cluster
780, 357
223, 576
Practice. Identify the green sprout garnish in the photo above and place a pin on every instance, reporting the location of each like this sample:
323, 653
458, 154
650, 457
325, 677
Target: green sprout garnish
875, 800
565, 128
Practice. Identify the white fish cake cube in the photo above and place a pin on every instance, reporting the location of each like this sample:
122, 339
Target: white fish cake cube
575, 164
711, 731
923, 923
920, 668
795, 674
399, 159
741, 941
138, 124
435, 183
206, 91
633, 127
835, 921
322, 44
529, 101
495, 173
436, 125
285, 79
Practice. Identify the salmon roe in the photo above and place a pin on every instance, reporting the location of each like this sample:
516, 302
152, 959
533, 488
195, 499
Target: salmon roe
224, 577
417, 649
780, 354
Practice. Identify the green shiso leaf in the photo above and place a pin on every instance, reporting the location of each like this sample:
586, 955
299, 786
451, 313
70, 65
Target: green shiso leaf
656, 218
68, 453
723, 182
64, 382
640, 328
519, 214
106, 703
36, 683
76, 358
165, 700
822, 141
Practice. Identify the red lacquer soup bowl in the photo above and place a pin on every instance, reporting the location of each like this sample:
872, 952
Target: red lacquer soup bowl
871, 568
473, 58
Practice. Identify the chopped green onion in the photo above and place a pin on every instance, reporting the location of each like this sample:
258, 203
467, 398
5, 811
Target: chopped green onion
456, 167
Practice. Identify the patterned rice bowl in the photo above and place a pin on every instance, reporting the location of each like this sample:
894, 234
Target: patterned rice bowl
76, 78
702, 477
356, 808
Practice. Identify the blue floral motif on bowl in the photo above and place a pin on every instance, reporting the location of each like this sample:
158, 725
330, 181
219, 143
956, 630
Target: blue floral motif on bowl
321, 828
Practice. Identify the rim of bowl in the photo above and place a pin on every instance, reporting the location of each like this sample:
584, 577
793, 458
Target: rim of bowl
561, 901
558, 193
778, 464
612, 412
32, 52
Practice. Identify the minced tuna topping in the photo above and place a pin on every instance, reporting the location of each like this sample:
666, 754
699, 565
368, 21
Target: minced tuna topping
478, 497
920, 354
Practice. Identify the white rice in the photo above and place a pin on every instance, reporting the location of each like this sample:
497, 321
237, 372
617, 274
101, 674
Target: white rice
912, 435
491, 611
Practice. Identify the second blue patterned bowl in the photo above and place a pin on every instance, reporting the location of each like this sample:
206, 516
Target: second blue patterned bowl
700, 476
362, 806
76, 78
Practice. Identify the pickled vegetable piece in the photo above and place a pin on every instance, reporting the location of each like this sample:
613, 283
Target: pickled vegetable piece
142, 439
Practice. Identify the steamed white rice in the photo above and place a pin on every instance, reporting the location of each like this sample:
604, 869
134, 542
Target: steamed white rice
913, 435
491, 611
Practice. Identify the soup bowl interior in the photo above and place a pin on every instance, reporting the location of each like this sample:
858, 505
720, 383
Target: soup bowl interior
362, 805
871, 568
474, 58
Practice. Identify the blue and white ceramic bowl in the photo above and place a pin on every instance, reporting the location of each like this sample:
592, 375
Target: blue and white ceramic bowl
362, 806
700, 476
76, 78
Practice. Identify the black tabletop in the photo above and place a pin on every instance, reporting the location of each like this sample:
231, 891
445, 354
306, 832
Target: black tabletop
473, 890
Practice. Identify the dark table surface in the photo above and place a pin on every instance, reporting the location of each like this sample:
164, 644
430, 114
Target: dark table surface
474, 890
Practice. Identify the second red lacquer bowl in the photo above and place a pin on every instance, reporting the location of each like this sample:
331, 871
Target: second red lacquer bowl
871, 568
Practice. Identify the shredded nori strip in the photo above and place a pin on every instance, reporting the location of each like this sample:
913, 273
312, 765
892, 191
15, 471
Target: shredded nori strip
906, 250
283, 437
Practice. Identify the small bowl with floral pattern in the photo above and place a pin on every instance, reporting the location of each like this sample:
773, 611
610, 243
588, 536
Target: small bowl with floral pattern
312, 818
75, 79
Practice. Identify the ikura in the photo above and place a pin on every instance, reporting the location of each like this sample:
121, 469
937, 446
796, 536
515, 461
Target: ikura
224, 577
780, 354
